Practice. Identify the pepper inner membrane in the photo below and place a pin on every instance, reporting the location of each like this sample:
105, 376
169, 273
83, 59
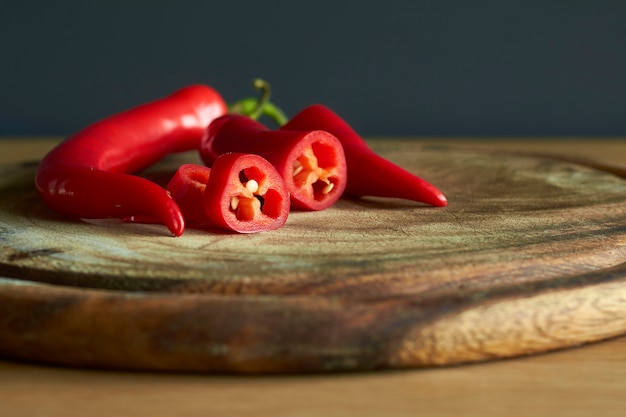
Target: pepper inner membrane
316, 167
251, 200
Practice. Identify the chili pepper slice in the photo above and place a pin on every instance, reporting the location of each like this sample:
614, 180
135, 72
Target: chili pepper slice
312, 163
246, 194
369, 174
89, 174
187, 188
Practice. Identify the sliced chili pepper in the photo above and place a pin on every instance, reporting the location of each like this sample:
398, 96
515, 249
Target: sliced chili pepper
187, 188
312, 163
369, 174
89, 174
246, 194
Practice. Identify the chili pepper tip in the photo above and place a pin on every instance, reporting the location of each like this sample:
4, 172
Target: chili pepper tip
176, 224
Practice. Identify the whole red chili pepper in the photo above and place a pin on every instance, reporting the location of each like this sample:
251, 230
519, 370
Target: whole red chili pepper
88, 175
369, 174
312, 163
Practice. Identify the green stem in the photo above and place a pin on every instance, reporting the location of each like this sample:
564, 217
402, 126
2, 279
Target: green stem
262, 106
266, 91
275, 113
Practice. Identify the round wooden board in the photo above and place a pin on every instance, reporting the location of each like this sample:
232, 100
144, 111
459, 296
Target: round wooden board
529, 256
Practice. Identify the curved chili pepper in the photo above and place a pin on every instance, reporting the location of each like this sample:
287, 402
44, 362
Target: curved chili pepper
369, 174
89, 174
246, 194
312, 163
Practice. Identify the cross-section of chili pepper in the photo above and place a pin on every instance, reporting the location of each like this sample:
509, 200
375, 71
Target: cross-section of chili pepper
312, 163
369, 174
246, 194
89, 174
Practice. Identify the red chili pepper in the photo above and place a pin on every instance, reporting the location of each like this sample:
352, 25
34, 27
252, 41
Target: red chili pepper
369, 174
187, 188
245, 193
88, 175
242, 192
312, 163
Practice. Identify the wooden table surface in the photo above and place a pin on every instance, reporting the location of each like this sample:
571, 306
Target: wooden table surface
587, 380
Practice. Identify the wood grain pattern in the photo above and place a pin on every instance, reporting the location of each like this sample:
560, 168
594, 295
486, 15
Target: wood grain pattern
529, 256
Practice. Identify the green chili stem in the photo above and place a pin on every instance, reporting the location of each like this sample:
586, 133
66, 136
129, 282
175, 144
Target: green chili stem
262, 106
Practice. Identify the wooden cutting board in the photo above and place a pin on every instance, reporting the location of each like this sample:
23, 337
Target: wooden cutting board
529, 256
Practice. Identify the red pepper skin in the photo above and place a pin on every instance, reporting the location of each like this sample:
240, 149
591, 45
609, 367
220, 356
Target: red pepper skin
212, 205
312, 163
246, 194
369, 174
88, 175
187, 188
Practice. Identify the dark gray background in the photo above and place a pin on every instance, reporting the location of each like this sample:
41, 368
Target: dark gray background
390, 68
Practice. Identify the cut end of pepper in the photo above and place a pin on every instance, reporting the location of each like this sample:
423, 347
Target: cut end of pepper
318, 172
247, 203
246, 194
